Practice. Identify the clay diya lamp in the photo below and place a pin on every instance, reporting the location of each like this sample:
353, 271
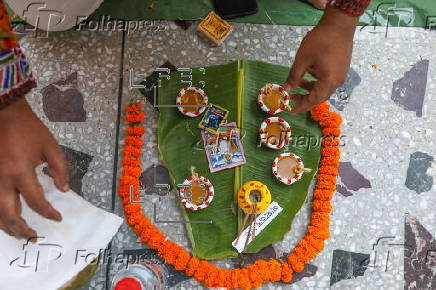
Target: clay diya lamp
275, 132
189, 99
288, 168
273, 99
196, 193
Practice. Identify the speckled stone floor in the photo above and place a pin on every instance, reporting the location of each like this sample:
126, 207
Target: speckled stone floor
383, 226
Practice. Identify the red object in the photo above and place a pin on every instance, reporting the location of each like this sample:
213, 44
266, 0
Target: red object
128, 284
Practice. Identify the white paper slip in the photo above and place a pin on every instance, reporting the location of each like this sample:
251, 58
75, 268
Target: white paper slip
261, 222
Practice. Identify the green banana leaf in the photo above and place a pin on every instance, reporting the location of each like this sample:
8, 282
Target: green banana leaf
235, 87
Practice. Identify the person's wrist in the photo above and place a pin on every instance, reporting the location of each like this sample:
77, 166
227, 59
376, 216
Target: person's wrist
340, 21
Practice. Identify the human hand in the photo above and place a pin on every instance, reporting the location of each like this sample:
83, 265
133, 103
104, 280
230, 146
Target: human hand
26, 143
325, 53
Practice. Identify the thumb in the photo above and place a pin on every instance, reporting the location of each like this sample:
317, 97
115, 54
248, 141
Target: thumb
57, 166
295, 74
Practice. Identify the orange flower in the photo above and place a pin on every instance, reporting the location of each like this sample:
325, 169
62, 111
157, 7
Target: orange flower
275, 269
296, 264
330, 141
212, 277
133, 141
131, 151
135, 117
131, 161
320, 111
192, 266
322, 206
317, 244
320, 219
329, 161
322, 194
326, 178
319, 233
129, 180
329, 170
255, 276
333, 121
156, 240
330, 152
135, 130
331, 131
286, 273
131, 171
263, 268
133, 209
182, 260
133, 107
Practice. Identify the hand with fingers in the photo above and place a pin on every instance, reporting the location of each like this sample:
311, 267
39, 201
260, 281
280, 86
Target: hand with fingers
26, 143
325, 53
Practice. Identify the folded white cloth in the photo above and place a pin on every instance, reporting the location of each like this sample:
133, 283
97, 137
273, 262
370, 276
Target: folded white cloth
64, 248
54, 15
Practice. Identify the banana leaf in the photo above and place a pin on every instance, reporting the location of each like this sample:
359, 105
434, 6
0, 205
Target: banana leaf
235, 87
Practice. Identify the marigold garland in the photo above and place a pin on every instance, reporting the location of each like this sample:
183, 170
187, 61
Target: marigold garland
254, 275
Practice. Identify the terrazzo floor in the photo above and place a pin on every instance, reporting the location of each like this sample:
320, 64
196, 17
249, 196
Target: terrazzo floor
383, 225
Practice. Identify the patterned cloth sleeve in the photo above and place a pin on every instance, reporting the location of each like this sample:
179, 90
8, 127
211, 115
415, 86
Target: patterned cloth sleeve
353, 7
15, 75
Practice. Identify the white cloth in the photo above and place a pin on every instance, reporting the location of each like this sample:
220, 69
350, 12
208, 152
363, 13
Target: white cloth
54, 15
60, 255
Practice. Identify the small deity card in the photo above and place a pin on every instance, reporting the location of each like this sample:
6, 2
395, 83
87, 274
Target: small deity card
214, 117
223, 149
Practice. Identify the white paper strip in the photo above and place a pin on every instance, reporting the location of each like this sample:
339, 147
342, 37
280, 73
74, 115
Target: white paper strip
261, 222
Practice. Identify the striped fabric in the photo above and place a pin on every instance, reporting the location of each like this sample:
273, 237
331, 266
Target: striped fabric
16, 79
353, 7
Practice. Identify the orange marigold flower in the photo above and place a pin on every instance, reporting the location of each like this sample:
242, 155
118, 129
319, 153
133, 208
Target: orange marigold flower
212, 277
329, 170
133, 141
330, 141
326, 178
330, 151
235, 277
275, 269
156, 240
202, 268
135, 130
133, 107
316, 243
135, 117
131, 171
192, 266
132, 209
129, 180
329, 161
224, 278
319, 233
244, 280
255, 276
331, 132
322, 205
325, 185
322, 194
304, 252
320, 219
131, 151
133, 219
131, 161
320, 111
263, 268
295, 262
333, 121
182, 260
286, 273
